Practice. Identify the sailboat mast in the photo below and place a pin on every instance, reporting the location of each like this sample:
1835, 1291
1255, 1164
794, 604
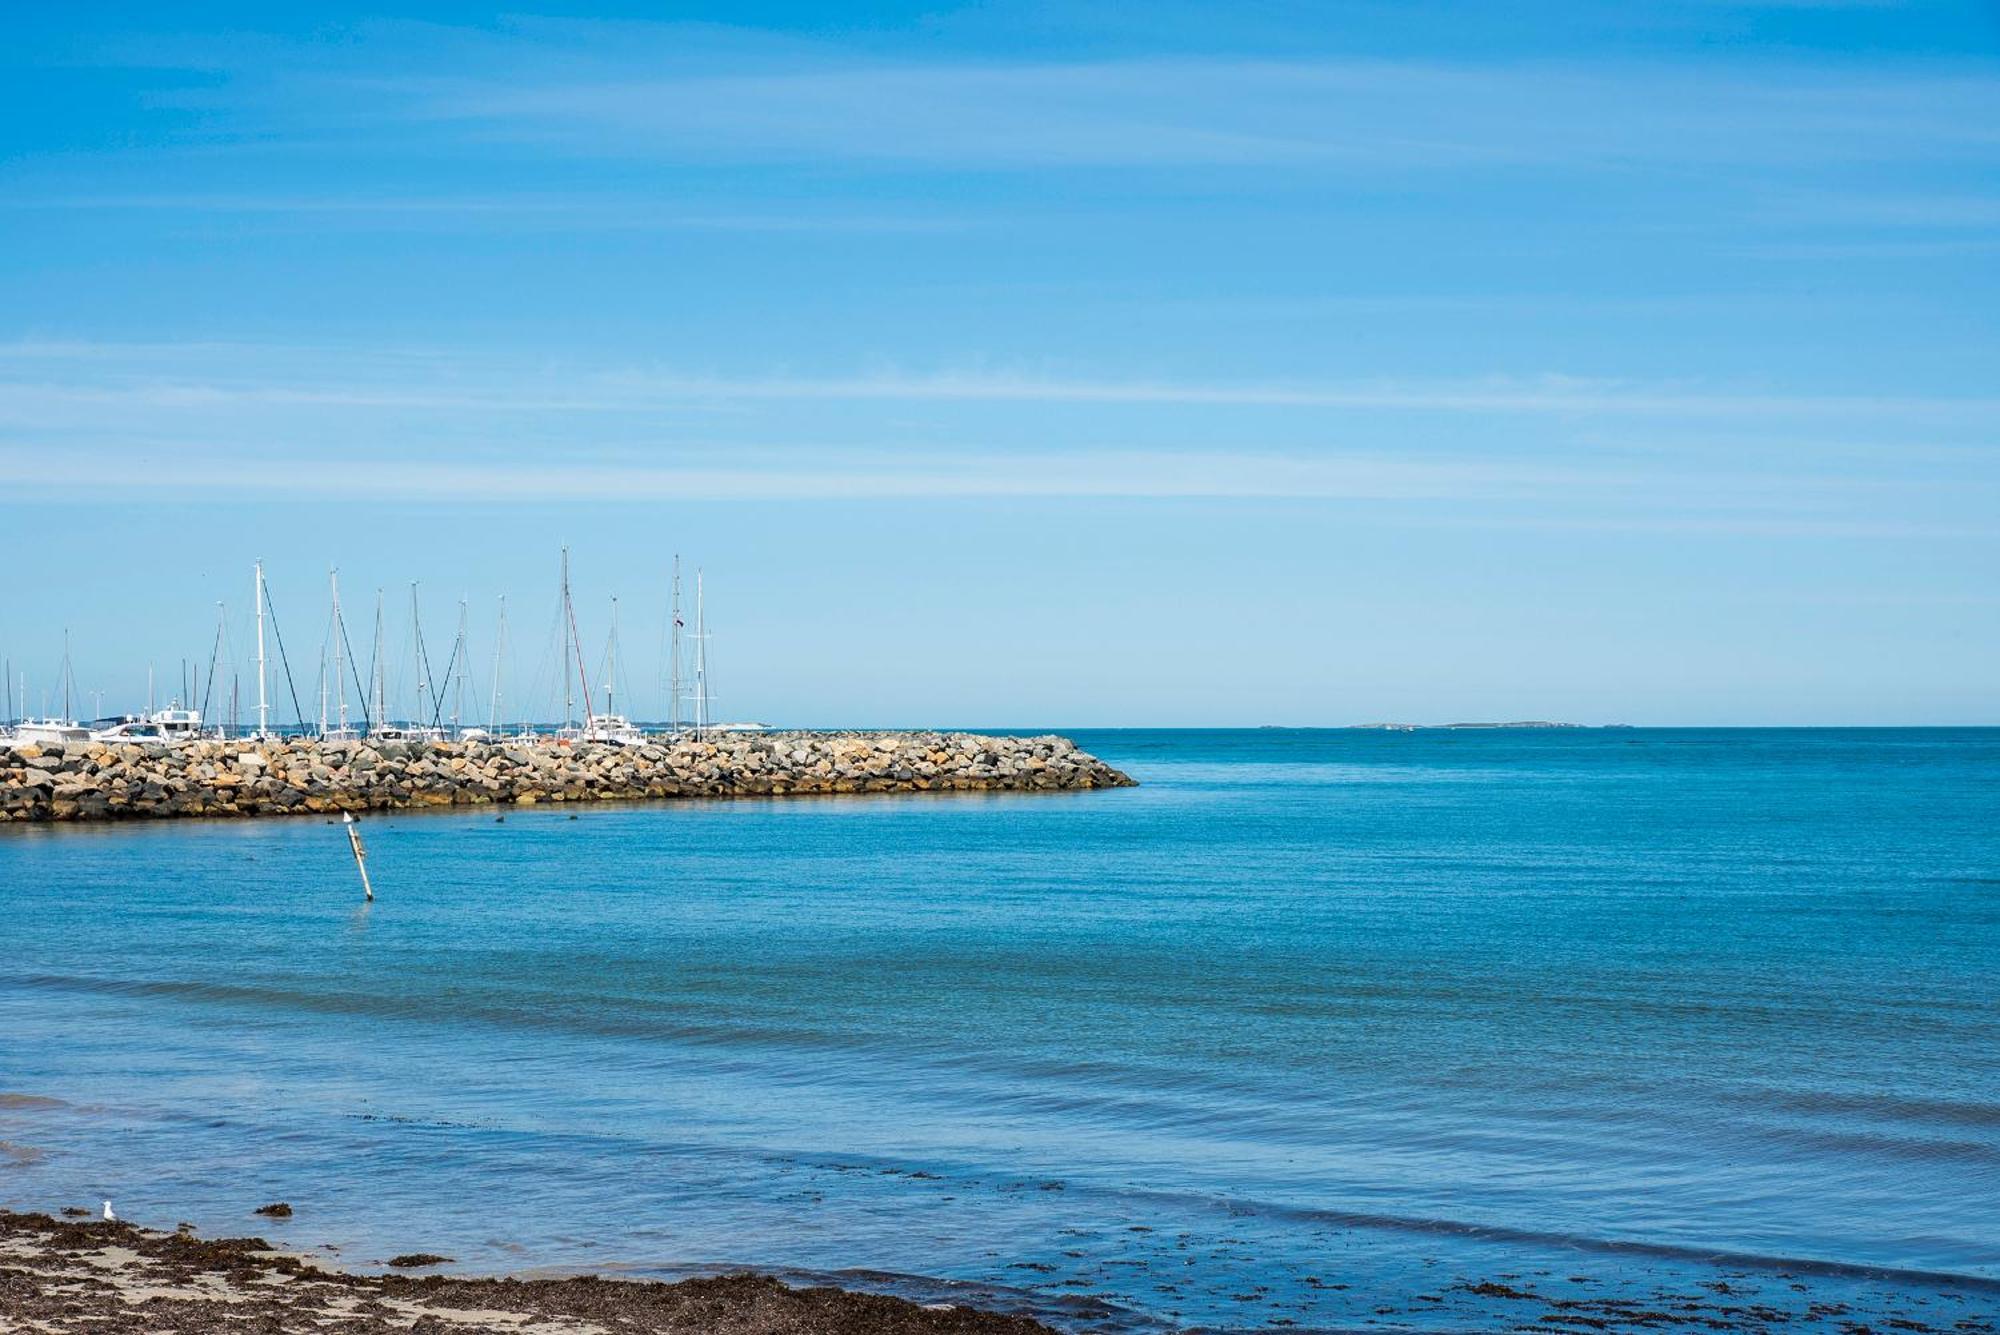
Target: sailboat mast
215, 655
263, 703
68, 679
339, 651
458, 682
611, 662
569, 699
576, 646
324, 651
499, 647
417, 651
376, 658
674, 656
700, 659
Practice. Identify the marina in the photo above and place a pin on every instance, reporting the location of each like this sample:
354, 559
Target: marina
432, 709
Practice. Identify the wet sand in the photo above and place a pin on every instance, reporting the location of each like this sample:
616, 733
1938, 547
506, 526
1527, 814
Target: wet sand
73, 1274
60, 1275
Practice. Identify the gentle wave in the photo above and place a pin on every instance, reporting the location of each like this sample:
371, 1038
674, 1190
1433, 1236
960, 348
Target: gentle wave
1375, 1004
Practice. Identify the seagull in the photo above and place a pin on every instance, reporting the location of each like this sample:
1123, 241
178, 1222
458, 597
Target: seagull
108, 1216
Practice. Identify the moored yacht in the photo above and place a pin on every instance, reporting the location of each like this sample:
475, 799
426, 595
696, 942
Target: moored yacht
163, 727
61, 731
44, 731
123, 728
610, 730
405, 732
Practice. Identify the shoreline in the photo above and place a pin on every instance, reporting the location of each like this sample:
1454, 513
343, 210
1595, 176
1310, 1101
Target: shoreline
60, 1275
74, 1274
101, 781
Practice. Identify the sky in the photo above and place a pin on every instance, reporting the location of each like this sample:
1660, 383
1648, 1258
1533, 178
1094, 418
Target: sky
1074, 364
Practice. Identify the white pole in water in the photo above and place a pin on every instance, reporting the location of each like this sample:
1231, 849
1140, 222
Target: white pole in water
263, 704
360, 854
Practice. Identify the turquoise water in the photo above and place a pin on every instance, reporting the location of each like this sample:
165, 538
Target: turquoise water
1313, 1027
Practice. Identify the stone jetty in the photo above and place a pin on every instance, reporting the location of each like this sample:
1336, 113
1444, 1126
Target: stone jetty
276, 777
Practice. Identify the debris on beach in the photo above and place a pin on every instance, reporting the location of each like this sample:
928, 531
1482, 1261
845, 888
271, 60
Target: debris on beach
63, 1277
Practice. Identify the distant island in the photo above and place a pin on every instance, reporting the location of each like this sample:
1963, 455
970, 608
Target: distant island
1453, 727
1433, 727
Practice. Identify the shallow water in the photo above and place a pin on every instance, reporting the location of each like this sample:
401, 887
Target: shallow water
1313, 1027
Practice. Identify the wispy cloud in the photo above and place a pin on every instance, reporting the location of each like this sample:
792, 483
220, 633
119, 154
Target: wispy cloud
1449, 492
702, 93
523, 212
1234, 113
388, 424
1542, 394
1798, 159
202, 376
811, 473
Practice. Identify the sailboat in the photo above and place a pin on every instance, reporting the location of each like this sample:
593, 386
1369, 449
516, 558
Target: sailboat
336, 727
492, 728
597, 729
60, 730
495, 729
703, 724
610, 728
412, 731
456, 670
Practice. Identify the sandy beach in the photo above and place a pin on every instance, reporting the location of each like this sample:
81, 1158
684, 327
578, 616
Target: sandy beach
90, 1275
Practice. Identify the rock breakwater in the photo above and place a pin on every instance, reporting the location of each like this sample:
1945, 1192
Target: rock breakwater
98, 781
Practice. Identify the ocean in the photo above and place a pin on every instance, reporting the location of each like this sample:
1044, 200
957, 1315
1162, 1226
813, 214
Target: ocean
1328, 1030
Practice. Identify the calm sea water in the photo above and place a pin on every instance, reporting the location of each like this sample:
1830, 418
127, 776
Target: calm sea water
1314, 1027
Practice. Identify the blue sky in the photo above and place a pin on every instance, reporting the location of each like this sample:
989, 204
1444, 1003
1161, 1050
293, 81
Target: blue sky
1021, 364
